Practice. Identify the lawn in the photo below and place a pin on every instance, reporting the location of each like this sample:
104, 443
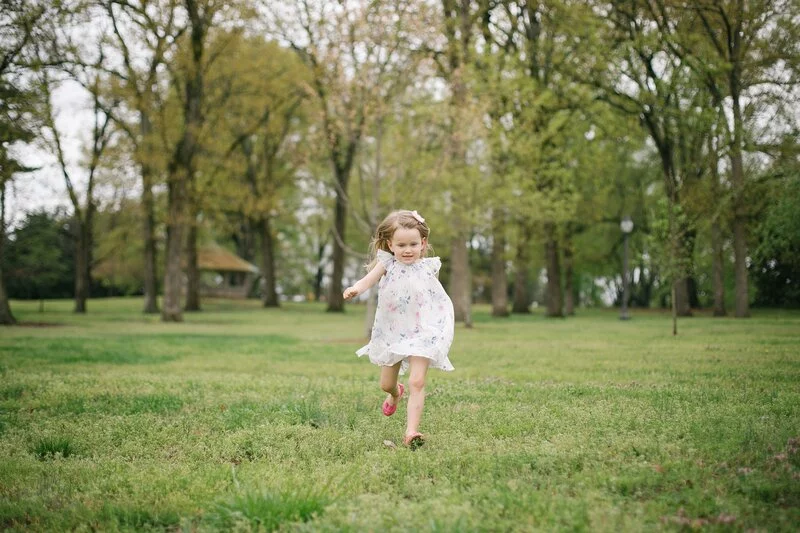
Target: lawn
243, 419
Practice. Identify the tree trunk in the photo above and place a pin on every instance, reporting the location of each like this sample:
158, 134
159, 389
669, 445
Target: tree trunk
150, 276
149, 227
173, 271
83, 256
742, 300
717, 257
320, 273
81, 264
683, 300
459, 279
694, 296
554, 305
682, 307
569, 281
192, 269
335, 298
270, 296
674, 311
718, 269
520, 305
641, 291
181, 169
245, 239
6, 317
250, 229
521, 299
499, 281
458, 26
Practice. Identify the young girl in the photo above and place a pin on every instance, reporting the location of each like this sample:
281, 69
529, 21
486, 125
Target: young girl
414, 320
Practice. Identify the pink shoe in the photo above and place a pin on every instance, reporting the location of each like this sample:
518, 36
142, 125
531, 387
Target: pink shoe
389, 409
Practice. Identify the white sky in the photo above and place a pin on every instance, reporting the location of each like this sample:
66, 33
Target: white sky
46, 188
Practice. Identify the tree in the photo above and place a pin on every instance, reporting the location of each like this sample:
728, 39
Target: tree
742, 52
188, 77
637, 74
265, 119
25, 26
776, 259
6, 164
119, 249
349, 47
454, 61
14, 106
152, 33
83, 210
490, 68
36, 258
537, 44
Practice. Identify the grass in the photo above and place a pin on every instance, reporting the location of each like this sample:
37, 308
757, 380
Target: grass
267, 511
51, 447
248, 419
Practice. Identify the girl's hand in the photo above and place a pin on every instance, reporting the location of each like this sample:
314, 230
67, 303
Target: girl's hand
350, 292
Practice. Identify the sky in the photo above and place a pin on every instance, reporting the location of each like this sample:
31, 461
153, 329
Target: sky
46, 188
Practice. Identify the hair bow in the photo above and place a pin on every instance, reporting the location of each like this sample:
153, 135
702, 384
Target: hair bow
418, 217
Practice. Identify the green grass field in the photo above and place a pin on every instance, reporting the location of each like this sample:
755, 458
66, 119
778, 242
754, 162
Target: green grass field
250, 419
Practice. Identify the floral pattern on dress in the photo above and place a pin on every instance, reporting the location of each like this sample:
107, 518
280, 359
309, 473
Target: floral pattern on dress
414, 315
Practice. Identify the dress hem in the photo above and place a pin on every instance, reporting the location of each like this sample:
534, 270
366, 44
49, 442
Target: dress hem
435, 363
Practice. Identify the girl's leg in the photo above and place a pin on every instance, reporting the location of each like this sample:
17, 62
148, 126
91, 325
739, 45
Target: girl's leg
389, 382
416, 385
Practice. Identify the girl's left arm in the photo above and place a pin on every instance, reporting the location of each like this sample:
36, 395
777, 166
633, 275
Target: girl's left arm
366, 282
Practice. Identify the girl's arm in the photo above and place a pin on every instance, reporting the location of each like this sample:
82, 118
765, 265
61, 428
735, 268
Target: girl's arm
366, 282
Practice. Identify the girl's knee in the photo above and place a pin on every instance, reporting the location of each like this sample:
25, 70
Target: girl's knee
417, 382
389, 386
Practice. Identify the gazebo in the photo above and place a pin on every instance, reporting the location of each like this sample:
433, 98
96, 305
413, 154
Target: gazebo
224, 274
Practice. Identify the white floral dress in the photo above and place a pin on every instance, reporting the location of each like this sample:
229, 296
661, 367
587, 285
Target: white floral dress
414, 315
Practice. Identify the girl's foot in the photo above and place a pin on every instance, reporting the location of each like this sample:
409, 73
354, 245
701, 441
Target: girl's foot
390, 403
414, 440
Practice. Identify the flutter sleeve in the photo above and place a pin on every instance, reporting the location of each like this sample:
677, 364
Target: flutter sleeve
434, 264
385, 258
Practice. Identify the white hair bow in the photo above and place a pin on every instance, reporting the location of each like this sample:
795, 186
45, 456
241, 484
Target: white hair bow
418, 217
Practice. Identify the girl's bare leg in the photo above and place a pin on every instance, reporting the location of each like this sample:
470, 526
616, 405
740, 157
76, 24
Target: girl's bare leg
416, 385
389, 382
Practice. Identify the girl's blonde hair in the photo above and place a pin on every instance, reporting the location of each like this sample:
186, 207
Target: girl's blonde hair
402, 218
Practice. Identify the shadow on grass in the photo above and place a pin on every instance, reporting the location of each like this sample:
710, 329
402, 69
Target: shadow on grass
121, 404
118, 350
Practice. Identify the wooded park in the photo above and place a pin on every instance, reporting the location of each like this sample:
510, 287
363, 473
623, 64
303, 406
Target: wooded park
283, 132
188, 191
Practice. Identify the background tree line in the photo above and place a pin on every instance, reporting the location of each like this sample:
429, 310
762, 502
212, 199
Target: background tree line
523, 130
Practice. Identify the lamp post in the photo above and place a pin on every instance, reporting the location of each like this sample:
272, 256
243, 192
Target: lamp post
626, 225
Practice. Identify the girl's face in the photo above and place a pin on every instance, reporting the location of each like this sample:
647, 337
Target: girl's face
407, 245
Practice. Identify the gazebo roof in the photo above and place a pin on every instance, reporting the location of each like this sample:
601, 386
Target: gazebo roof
219, 259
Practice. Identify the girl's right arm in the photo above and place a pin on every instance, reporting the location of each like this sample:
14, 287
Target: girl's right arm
366, 282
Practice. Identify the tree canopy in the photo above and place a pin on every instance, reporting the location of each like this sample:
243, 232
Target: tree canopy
523, 130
